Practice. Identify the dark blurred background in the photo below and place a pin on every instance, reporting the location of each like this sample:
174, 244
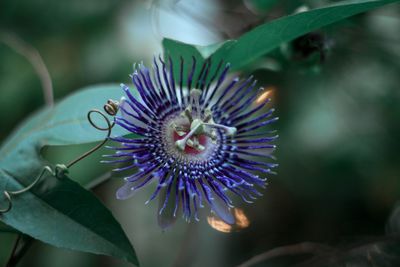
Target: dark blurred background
336, 91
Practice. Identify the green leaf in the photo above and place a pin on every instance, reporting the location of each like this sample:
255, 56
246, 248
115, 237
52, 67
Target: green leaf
177, 50
267, 37
66, 216
61, 212
207, 51
64, 124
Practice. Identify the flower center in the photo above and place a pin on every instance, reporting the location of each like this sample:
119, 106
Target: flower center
192, 131
194, 146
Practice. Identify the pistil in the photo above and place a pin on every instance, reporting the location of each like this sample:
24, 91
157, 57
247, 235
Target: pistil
198, 125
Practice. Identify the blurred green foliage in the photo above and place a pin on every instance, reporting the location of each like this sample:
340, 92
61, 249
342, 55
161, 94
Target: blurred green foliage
338, 179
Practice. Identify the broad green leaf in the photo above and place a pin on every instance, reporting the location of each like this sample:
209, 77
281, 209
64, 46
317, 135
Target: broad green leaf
64, 124
66, 216
60, 212
207, 51
267, 37
177, 51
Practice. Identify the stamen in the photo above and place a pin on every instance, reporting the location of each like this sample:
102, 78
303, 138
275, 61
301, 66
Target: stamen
229, 130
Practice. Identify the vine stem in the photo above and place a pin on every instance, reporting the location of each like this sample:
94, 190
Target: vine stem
18, 250
17, 253
8, 264
33, 56
301, 248
109, 127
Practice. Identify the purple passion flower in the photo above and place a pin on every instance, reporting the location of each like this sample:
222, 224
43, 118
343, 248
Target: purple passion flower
201, 137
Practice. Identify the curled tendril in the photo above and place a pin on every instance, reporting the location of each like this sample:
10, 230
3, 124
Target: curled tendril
111, 108
58, 171
109, 127
8, 197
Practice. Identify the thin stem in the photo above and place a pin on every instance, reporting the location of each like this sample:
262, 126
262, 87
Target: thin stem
33, 56
98, 146
19, 250
8, 264
301, 248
